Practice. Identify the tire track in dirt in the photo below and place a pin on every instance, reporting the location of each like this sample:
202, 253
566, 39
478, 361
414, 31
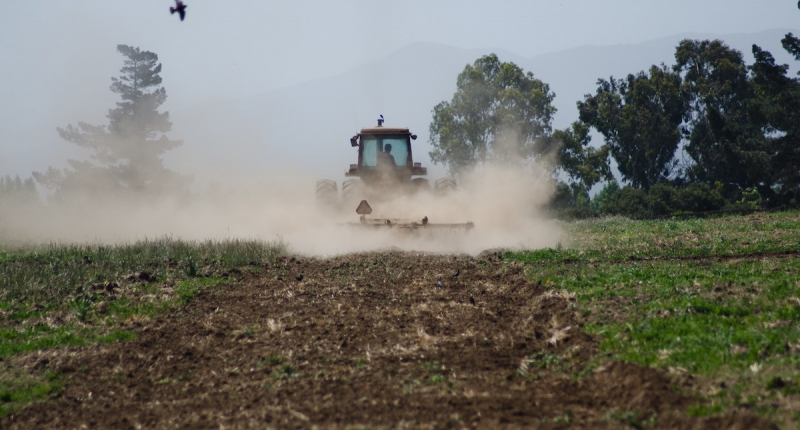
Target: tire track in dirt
367, 339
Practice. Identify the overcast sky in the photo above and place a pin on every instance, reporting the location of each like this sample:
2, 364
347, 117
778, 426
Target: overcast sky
58, 56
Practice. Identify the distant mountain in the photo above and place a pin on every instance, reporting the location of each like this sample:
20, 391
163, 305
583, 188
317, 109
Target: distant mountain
306, 127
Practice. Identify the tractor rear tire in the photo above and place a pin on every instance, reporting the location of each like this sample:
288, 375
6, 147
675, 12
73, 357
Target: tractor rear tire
352, 194
420, 184
327, 194
445, 186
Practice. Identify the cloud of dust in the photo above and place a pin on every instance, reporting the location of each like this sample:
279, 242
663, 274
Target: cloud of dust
504, 203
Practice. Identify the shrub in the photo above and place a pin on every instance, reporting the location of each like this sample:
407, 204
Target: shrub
751, 197
562, 197
699, 197
662, 199
572, 202
600, 200
630, 202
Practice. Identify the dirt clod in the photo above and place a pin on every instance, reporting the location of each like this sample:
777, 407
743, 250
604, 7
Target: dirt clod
102, 307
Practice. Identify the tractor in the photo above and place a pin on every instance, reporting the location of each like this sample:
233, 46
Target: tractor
385, 170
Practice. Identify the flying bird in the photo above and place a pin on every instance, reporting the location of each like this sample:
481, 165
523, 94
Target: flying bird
180, 8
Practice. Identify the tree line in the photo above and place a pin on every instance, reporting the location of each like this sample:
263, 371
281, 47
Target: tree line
709, 133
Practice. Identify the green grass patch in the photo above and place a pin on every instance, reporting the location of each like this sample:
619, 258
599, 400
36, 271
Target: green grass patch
42, 337
697, 315
125, 308
116, 336
49, 274
719, 298
18, 391
20, 338
286, 372
619, 239
85, 283
189, 288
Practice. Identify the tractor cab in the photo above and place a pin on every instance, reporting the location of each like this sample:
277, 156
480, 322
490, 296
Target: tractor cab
384, 149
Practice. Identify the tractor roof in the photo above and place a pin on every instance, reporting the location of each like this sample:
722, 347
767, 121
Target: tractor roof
385, 130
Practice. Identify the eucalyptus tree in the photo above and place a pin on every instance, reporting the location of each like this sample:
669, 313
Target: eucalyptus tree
584, 164
499, 113
639, 118
792, 43
724, 139
776, 110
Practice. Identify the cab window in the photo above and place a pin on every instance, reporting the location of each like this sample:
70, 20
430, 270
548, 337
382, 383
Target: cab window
399, 149
369, 152
372, 145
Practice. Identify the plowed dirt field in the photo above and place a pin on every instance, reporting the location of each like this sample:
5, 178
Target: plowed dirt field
390, 340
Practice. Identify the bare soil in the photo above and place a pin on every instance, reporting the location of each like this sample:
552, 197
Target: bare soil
365, 339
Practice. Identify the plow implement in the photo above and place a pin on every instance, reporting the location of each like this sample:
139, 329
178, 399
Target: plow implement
401, 225
405, 225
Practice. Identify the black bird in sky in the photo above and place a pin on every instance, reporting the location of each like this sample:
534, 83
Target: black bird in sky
180, 8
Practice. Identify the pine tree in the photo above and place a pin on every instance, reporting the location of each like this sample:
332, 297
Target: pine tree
126, 154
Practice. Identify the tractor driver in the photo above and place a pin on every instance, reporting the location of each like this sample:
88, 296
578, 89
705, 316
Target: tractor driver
386, 156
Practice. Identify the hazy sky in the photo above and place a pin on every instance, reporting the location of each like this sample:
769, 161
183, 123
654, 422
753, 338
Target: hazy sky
58, 56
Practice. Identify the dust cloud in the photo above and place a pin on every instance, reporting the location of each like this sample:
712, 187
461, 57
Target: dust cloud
505, 204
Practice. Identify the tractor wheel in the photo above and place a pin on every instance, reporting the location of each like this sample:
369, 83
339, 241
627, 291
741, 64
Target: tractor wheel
420, 184
327, 194
445, 186
352, 194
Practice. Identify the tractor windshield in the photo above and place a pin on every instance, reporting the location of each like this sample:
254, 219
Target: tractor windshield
373, 144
